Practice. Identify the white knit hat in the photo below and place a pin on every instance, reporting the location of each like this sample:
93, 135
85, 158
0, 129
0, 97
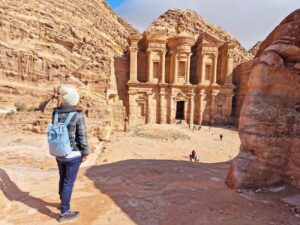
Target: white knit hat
68, 95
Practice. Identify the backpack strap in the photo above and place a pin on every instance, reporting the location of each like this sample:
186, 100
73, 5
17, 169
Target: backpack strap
69, 117
55, 120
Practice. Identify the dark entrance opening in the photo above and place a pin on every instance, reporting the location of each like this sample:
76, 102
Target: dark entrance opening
180, 110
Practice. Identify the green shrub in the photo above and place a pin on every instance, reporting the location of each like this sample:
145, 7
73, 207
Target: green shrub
159, 134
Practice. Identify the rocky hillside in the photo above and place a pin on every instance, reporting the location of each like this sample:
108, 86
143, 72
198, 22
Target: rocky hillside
195, 24
45, 40
45, 43
270, 117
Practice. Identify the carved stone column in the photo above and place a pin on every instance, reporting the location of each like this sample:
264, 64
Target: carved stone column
150, 66
133, 64
163, 67
199, 67
212, 105
202, 81
171, 67
201, 109
132, 107
149, 107
172, 109
188, 69
175, 69
163, 106
214, 75
229, 69
186, 111
191, 116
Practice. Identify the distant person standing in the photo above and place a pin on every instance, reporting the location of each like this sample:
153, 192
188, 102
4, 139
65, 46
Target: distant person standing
125, 124
68, 161
221, 137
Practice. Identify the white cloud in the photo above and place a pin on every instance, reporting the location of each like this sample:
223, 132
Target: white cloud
247, 20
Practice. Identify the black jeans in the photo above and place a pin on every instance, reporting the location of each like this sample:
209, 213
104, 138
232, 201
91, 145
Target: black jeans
67, 175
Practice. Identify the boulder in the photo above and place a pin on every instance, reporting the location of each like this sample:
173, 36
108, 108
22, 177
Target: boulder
269, 125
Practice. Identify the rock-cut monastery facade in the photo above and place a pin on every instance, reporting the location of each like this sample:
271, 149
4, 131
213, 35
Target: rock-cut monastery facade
179, 77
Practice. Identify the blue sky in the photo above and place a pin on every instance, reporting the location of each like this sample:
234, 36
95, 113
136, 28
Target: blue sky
114, 3
248, 21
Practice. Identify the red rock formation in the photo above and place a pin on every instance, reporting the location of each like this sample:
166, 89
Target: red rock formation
255, 48
270, 117
241, 76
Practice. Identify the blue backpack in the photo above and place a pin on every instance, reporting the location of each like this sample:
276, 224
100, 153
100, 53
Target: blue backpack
58, 136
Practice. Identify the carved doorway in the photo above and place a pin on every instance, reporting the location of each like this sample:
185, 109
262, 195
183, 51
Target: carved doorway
141, 116
180, 110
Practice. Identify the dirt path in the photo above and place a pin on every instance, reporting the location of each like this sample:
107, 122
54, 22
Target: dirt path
144, 179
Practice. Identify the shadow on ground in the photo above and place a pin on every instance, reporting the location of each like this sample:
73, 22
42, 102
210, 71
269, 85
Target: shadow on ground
166, 192
13, 193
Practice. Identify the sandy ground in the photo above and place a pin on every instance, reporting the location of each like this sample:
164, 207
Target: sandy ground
143, 177
206, 142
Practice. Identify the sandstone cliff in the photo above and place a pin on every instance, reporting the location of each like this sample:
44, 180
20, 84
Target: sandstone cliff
241, 76
270, 116
48, 42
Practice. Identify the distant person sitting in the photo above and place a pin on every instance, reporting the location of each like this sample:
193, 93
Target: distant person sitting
221, 137
193, 156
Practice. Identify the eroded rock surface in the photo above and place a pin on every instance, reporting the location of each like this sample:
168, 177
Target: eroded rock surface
195, 24
255, 48
270, 117
45, 43
241, 76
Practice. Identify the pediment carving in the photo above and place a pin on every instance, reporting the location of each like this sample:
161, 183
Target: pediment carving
159, 35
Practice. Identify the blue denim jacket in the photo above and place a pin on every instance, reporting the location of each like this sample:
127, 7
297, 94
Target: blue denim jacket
76, 128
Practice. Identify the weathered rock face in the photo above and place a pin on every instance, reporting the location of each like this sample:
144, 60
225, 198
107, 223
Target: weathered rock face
270, 117
194, 24
255, 48
241, 76
46, 42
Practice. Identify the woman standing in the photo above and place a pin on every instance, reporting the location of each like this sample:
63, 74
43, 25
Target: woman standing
69, 165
